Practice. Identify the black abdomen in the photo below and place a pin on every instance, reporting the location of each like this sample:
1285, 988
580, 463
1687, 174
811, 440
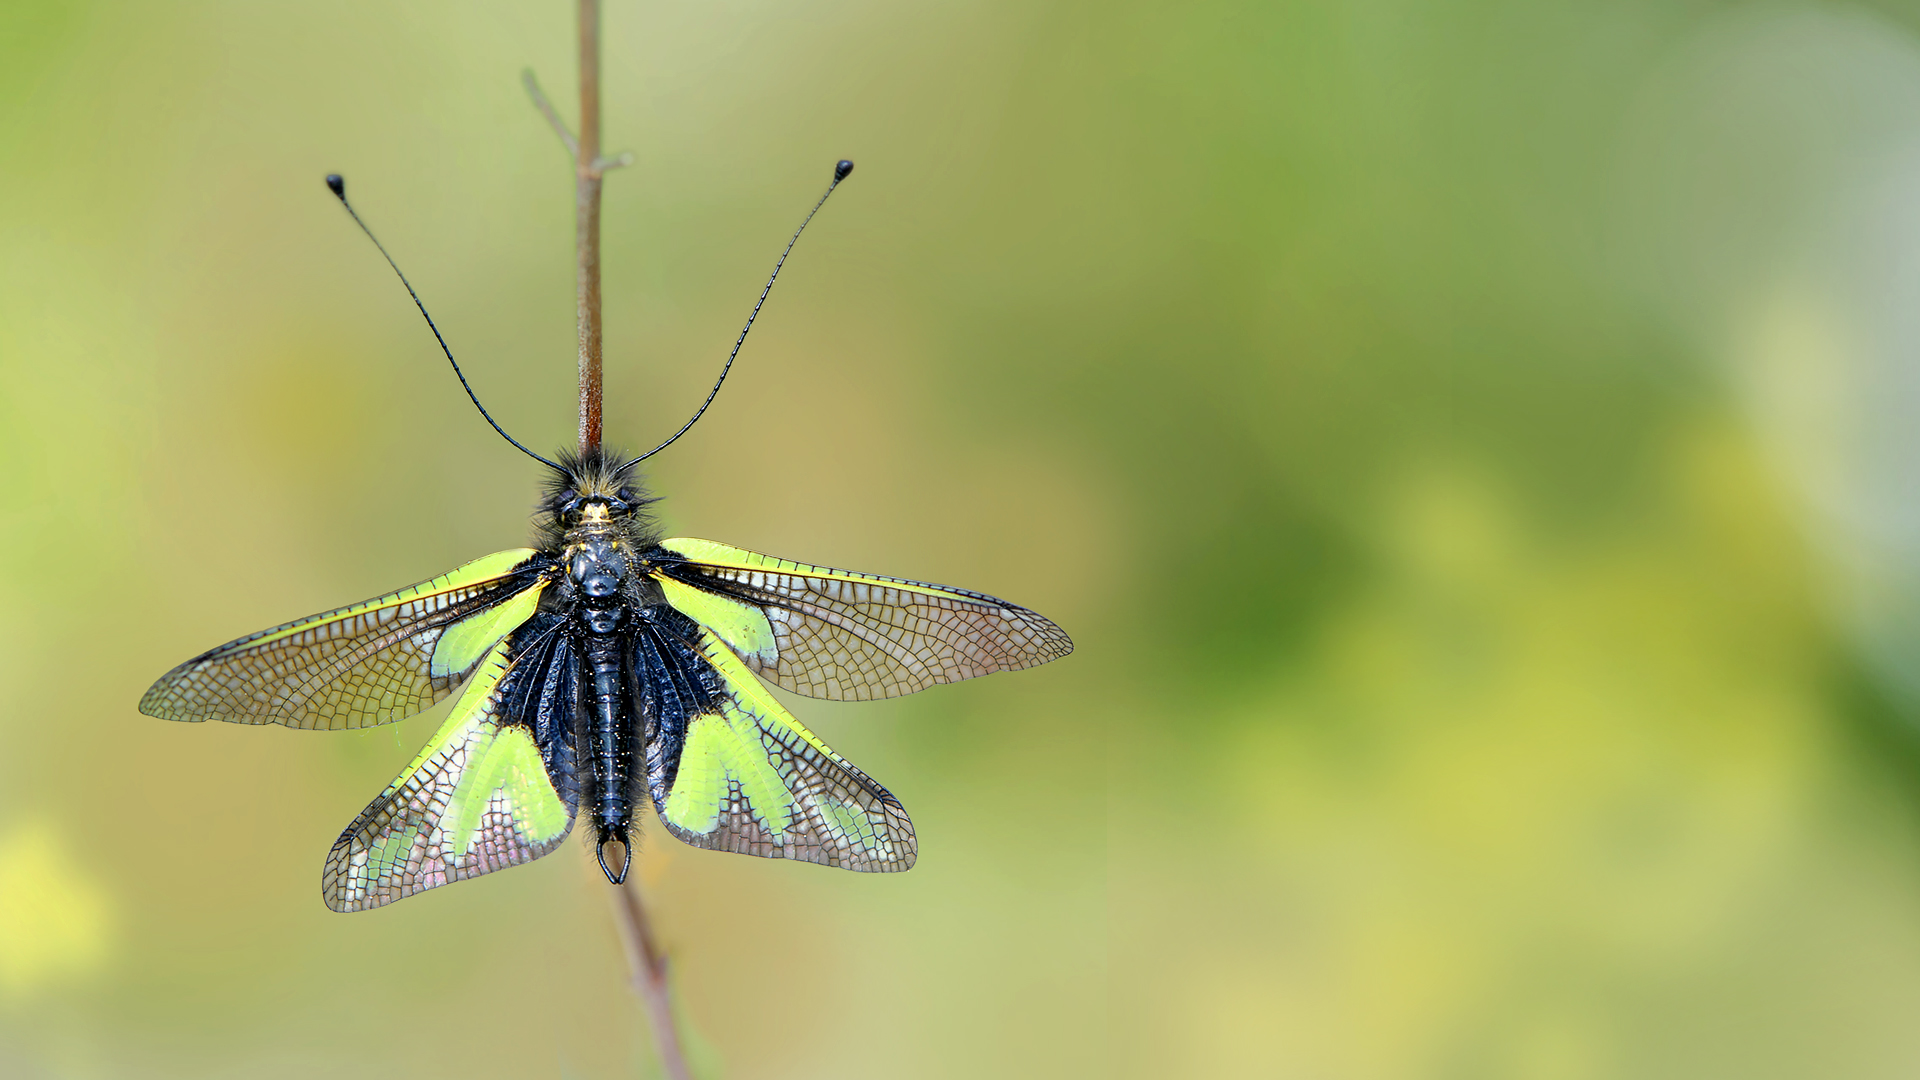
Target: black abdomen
612, 747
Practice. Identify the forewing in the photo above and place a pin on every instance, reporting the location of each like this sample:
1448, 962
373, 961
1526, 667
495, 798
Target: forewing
731, 770
377, 661
495, 787
844, 636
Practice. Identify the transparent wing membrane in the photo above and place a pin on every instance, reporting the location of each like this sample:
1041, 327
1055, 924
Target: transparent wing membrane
373, 662
844, 636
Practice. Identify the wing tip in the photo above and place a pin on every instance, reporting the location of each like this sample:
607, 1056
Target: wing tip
899, 865
154, 703
333, 885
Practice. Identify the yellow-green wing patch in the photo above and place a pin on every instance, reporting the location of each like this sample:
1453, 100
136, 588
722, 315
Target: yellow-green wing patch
373, 662
742, 625
478, 798
752, 780
464, 642
853, 637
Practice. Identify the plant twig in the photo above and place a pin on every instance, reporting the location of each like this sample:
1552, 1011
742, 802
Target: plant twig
588, 170
644, 957
546, 109
586, 225
649, 967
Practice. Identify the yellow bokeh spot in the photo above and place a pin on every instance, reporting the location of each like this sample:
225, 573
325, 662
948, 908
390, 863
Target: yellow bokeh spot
55, 922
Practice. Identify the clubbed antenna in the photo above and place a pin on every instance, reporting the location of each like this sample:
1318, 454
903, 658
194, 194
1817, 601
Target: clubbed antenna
840, 171
338, 185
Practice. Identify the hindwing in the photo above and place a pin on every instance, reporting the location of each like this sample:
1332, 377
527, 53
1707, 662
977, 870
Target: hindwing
370, 663
494, 788
731, 770
843, 636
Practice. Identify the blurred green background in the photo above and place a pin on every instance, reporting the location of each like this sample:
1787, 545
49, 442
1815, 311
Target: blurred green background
1473, 446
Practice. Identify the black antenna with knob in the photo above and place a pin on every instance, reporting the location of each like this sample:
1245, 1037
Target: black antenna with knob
338, 185
840, 171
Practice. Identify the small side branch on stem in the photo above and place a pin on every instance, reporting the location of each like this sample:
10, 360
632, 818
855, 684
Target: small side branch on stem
539, 96
540, 102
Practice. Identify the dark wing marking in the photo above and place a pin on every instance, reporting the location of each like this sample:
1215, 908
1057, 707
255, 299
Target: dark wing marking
489, 791
373, 662
731, 770
844, 636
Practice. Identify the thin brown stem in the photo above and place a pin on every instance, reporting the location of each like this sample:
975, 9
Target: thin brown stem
644, 957
649, 967
586, 169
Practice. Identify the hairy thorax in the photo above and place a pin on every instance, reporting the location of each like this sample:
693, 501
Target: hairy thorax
593, 522
604, 573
